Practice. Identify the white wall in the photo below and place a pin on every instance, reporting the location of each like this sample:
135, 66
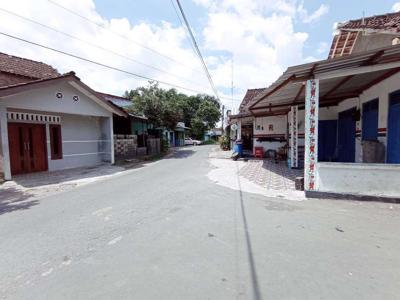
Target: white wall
279, 125
262, 129
367, 42
4, 151
380, 91
325, 113
360, 178
85, 142
86, 127
379, 180
44, 99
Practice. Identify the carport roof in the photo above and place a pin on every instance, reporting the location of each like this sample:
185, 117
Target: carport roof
340, 78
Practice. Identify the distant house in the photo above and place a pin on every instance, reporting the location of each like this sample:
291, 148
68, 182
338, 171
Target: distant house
180, 134
213, 134
339, 117
176, 137
249, 132
135, 124
50, 121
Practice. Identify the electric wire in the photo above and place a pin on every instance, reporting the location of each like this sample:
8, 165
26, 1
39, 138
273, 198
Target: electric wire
122, 36
98, 46
99, 63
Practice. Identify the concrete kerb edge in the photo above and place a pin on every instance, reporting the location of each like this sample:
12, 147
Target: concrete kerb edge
351, 197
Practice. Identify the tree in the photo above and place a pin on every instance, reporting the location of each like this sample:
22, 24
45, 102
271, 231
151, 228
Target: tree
158, 105
171, 110
209, 113
165, 108
197, 128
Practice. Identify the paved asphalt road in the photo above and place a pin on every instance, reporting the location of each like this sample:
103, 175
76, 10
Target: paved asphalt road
167, 232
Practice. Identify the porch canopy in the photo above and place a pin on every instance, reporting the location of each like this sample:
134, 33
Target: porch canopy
339, 79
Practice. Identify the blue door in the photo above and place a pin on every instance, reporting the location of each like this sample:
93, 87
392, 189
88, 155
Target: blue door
370, 120
393, 139
327, 136
346, 136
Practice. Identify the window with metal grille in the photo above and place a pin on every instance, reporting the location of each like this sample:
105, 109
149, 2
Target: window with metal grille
55, 142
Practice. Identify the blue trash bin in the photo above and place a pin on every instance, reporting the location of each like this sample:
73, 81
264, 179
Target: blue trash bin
238, 148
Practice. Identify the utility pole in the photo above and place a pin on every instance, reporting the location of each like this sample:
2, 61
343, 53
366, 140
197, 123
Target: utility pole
233, 112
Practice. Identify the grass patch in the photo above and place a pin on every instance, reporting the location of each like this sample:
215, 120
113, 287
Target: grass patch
209, 142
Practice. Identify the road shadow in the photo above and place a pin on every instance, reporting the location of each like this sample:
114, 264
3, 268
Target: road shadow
252, 265
12, 199
181, 153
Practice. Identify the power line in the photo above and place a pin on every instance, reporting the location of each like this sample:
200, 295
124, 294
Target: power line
197, 50
100, 64
122, 36
104, 65
98, 46
184, 27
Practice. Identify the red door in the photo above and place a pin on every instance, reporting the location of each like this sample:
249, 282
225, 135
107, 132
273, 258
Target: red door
27, 144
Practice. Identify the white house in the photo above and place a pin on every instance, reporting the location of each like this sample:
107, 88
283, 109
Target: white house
50, 121
340, 116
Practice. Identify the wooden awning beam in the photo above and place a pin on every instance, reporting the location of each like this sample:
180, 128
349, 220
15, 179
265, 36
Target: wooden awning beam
372, 60
274, 113
301, 90
338, 85
378, 80
278, 87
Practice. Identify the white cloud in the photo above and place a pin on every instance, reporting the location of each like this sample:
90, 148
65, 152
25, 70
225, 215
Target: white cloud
316, 15
258, 34
163, 36
396, 7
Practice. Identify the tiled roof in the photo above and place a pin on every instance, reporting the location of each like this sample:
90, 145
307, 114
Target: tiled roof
388, 22
250, 94
117, 100
26, 67
344, 41
121, 102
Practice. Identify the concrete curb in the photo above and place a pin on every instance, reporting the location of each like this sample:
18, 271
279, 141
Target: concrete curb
351, 197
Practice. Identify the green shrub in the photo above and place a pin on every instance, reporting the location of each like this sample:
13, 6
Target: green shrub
225, 142
209, 142
164, 145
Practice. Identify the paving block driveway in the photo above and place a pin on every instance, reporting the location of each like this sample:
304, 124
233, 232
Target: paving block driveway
168, 231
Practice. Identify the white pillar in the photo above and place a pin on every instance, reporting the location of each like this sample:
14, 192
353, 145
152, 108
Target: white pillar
4, 143
311, 135
112, 139
294, 158
239, 129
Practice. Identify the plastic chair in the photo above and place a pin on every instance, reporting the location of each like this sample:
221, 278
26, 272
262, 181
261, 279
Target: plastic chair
259, 152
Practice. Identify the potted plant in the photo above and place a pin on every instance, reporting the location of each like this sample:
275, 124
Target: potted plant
224, 143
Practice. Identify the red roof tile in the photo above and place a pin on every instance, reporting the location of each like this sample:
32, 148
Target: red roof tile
387, 22
26, 67
344, 41
250, 94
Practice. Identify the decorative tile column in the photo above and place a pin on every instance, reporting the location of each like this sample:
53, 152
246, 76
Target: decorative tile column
294, 158
311, 135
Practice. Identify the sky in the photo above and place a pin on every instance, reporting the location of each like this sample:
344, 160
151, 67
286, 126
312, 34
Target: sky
247, 42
